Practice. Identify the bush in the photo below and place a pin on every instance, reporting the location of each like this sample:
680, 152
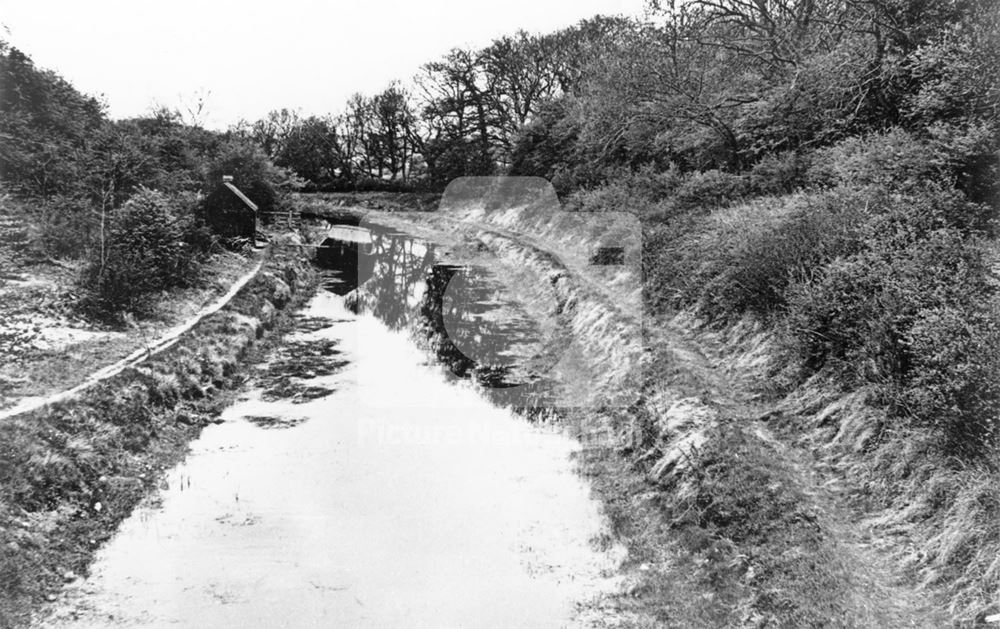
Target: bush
653, 184
614, 197
636, 192
762, 263
971, 151
707, 190
860, 308
64, 227
906, 314
779, 174
954, 384
838, 317
894, 160
696, 192
742, 259
152, 243
899, 221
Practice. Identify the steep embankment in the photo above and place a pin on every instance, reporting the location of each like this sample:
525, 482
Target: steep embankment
729, 520
71, 471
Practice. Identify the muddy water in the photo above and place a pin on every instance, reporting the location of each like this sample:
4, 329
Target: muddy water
359, 485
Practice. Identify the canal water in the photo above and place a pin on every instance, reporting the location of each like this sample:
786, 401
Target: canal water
368, 479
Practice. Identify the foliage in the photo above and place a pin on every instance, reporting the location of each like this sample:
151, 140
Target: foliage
545, 146
722, 86
251, 170
636, 192
887, 287
464, 115
780, 173
254, 175
742, 260
64, 227
909, 313
45, 124
312, 150
152, 243
707, 190
894, 159
953, 384
80, 168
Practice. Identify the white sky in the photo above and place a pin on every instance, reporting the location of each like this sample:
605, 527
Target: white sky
252, 57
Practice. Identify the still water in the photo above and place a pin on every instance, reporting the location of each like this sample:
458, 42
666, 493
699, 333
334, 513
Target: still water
365, 481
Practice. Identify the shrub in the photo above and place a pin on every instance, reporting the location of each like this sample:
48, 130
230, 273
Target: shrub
906, 313
150, 244
653, 184
779, 174
860, 308
895, 160
764, 262
709, 189
64, 227
614, 197
954, 384
838, 317
971, 151
742, 259
898, 221
627, 191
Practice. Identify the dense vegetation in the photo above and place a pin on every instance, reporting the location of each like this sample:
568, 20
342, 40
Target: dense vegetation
830, 168
827, 167
848, 149
128, 197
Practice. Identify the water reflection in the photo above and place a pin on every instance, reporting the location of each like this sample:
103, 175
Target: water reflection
364, 508
457, 312
352, 263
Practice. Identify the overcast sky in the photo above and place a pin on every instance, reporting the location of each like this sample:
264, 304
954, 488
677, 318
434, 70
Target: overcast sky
252, 57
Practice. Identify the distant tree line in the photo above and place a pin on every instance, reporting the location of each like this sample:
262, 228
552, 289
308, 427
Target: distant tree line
701, 85
462, 115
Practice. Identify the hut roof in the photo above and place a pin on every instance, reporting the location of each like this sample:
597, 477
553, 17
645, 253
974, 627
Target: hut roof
250, 204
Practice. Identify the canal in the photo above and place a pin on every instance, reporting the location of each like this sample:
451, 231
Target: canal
388, 466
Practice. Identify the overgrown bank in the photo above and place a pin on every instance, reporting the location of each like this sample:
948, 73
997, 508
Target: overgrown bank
877, 287
751, 493
71, 472
854, 319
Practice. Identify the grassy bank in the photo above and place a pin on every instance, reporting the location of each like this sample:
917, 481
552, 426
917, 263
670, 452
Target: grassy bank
880, 311
381, 201
71, 472
747, 495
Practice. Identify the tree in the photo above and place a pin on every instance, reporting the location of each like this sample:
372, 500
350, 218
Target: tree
312, 149
520, 75
253, 173
457, 114
148, 250
45, 126
270, 132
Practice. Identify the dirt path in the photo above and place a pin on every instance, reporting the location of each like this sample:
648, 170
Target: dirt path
168, 339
